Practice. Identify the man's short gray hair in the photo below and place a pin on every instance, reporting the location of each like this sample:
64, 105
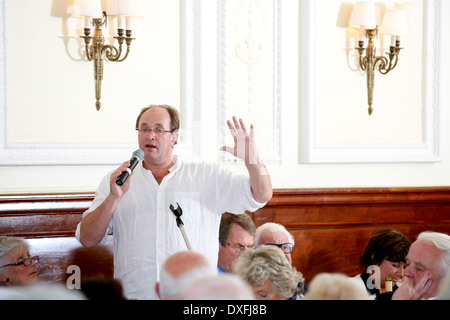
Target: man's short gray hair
442, 242
272, 227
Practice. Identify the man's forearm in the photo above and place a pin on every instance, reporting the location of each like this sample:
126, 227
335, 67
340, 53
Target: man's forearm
94, 225
260, 181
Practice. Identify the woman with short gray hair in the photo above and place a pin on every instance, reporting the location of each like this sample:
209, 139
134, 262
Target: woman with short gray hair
270, 274
16, 265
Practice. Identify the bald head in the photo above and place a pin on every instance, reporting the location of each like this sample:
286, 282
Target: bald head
179, 270
183, 262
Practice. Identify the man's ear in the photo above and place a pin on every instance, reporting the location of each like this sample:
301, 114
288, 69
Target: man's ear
175, 136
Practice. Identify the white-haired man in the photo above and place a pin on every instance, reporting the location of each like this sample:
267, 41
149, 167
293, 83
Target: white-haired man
275, 234
428, 262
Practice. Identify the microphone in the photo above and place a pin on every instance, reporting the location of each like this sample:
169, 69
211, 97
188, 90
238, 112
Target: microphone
137, 156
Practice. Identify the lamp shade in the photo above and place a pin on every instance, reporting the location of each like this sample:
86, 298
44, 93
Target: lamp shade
409, 9
88, 8
363, 15
394, 23
121, 7
139, 13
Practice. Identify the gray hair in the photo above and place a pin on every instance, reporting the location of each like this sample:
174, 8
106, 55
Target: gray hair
442, 242
173, 286
224, 286
9, 243
258, 265
335, 286
272, 227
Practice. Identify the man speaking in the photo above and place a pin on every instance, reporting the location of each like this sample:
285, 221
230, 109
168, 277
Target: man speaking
137, 212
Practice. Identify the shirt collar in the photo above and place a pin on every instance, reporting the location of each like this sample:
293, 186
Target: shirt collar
177, 164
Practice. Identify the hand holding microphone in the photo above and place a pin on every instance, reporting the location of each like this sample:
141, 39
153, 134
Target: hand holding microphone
136, 157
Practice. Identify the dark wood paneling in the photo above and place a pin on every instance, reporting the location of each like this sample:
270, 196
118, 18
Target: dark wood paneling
331, 226
42, 215
57, 254
49, 222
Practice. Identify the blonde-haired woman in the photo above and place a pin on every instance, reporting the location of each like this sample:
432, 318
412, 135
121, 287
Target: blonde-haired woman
335, 286
269, 274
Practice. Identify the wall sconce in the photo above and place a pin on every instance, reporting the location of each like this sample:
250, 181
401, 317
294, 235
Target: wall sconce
394, 24
94, 16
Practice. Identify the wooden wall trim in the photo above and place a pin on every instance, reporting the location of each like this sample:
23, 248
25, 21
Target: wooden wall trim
359, 195
294, 208
42, 215
315, 208
10, 202
43, 202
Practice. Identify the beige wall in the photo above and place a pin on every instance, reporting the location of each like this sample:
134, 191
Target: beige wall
53, 139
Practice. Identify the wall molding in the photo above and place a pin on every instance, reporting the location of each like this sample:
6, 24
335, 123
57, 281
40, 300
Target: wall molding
285, 82
202, 36
37, 154
427, 151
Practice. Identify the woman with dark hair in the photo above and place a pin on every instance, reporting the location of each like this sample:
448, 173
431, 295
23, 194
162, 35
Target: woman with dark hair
384, 258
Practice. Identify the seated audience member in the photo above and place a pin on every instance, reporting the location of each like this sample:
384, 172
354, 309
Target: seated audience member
270, 274
444, 288
428, 263
275, 234
178, 271
384, 256
236, 234
16, 265
224, 286
335, 286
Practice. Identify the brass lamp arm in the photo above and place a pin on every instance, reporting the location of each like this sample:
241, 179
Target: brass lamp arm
393, 59
111, 52
120, 38
370, 62
126, 54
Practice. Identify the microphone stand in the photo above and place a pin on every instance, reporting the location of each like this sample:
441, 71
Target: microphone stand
178, 212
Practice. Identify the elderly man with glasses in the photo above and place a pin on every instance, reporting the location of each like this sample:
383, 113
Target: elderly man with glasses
275, 234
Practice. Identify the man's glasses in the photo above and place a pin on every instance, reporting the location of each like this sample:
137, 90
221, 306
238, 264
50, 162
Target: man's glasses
238, 249
25, 262
285, 247
156, 131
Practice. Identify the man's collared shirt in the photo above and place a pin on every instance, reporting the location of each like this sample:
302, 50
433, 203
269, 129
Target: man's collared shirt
144, 229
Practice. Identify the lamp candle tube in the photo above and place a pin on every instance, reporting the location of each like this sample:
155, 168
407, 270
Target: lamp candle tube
120, 22
362, 34
129, 22
87, 22
393, 40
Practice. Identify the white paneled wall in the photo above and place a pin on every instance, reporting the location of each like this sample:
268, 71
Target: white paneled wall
286, 66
